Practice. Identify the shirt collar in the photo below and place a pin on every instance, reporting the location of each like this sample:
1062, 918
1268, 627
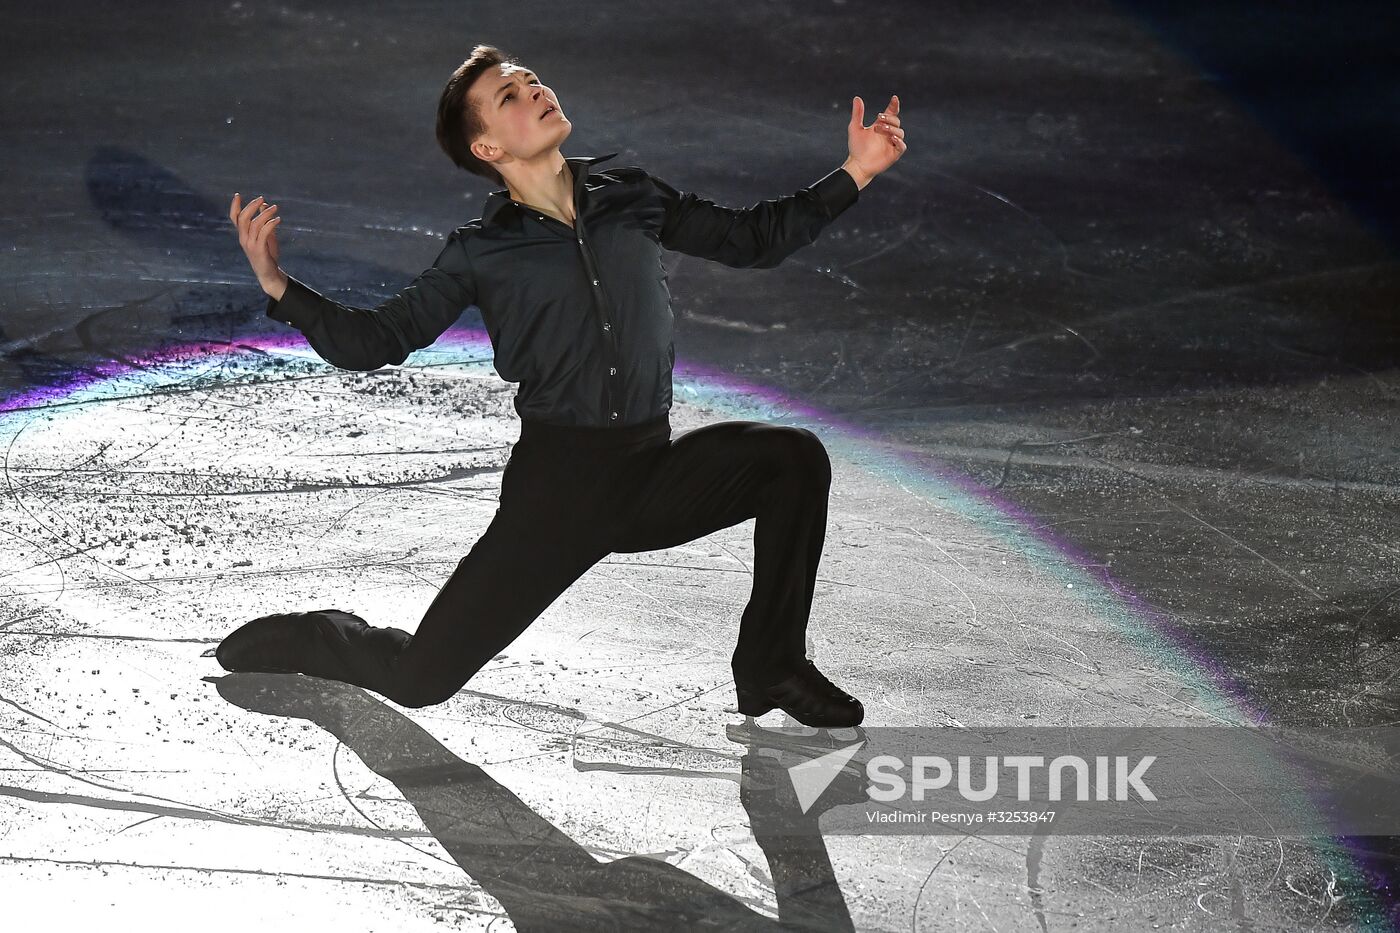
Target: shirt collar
500, 199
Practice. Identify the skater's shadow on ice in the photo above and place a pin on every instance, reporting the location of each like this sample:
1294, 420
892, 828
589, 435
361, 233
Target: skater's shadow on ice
543, 878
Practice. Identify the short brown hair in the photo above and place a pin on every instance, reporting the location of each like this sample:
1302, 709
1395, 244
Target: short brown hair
458, 121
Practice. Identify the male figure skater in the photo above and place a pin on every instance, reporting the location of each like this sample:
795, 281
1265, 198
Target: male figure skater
565, 266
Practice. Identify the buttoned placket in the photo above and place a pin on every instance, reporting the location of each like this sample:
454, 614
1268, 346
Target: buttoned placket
599, 297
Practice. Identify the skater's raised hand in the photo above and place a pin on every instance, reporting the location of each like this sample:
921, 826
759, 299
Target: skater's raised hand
257, 234
876, 147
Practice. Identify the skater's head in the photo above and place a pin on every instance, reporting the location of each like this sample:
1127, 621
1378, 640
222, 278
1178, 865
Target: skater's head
495, 111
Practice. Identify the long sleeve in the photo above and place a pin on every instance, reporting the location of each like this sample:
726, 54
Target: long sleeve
758, 237
367, 338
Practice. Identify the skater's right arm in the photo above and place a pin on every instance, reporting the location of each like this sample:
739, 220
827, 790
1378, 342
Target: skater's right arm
348, 337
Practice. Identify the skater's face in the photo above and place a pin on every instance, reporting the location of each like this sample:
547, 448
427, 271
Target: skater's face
521, 115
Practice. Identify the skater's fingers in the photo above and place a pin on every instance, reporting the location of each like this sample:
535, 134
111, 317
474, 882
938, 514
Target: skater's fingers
268, 233
245, 216
261, 221
253, 225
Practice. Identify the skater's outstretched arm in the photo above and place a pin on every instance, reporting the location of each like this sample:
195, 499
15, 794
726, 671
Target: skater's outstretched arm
763, 235
357, 338
757, 237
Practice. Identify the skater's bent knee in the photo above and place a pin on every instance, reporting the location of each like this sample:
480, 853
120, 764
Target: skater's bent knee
809, 453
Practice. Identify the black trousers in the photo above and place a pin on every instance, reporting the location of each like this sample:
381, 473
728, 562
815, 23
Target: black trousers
569, 497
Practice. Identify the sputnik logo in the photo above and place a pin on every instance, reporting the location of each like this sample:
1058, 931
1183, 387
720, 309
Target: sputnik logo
811, 778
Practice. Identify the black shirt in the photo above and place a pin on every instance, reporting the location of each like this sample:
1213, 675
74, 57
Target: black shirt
579, 316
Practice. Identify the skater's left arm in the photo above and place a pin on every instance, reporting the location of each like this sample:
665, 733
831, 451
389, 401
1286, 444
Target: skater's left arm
762, 236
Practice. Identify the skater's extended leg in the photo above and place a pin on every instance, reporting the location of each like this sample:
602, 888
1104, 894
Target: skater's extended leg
513, 573
541, 540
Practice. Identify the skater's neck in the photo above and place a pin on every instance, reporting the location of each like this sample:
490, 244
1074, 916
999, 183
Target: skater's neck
544, 184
